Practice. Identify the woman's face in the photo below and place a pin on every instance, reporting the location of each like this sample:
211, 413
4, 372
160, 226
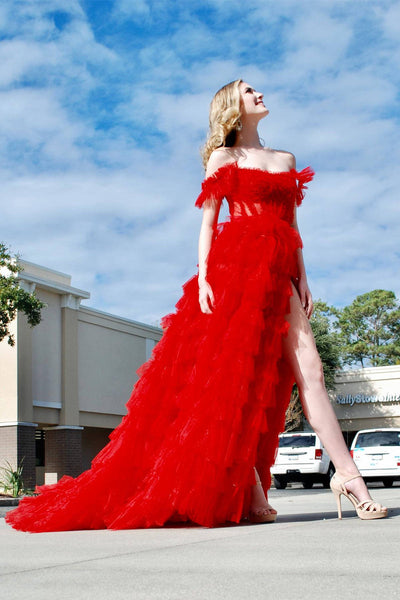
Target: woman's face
251, 102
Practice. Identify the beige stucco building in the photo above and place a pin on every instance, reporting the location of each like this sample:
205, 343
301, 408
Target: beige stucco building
65, 383
367, 399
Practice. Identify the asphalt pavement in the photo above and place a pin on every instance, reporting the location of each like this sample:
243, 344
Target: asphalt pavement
308, 553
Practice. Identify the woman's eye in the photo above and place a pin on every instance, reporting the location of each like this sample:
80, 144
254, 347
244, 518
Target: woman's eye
249, 90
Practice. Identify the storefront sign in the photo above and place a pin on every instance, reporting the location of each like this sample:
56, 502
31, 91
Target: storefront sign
350, 399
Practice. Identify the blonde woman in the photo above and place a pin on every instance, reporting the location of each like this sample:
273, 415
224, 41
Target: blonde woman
203, 420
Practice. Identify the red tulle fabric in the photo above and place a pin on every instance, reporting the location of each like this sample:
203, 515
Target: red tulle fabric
210, 402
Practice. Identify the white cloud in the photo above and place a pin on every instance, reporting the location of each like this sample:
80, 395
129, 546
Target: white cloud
126, 9
18, 58
391, 20
35, 119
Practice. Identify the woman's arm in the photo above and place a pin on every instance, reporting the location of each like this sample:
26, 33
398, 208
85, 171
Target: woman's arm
210, 218
211, 209
301, 282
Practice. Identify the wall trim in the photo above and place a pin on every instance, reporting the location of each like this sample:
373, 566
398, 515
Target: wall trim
77, 427
42, 404
15, 423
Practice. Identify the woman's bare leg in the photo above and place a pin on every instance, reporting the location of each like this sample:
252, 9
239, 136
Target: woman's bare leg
301, 353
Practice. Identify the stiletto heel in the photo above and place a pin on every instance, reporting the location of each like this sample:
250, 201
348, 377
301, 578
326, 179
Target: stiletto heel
366, 510
338, 502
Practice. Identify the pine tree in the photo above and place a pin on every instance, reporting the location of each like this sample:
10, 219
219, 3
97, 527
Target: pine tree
369, 330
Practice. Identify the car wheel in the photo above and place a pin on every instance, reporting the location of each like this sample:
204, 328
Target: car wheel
279, 483
387, 482
307, 485
329, 475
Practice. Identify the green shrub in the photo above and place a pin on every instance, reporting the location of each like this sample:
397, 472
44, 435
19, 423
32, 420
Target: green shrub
11, 479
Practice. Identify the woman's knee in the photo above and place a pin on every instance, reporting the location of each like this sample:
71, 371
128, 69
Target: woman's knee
312, 375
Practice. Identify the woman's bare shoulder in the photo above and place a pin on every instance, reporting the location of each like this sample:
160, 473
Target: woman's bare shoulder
219, 158
286, 159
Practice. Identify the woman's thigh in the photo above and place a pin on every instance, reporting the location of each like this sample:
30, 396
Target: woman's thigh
299, 348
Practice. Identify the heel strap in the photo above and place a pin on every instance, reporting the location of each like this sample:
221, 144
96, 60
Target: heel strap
351, 479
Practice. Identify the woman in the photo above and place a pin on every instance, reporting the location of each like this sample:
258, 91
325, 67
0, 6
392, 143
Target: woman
299, 350
203, 419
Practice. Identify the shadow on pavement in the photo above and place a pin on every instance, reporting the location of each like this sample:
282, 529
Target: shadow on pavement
290, 518
324, 516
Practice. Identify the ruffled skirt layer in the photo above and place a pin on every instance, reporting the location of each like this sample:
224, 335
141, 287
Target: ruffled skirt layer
208, 405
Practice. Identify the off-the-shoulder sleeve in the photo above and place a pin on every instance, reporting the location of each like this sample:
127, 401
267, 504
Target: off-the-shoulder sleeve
303, 177
214, 188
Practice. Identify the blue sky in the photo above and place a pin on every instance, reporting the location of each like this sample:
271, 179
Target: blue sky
104, 106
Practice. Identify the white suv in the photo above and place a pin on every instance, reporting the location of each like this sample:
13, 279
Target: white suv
301, 457
376, 453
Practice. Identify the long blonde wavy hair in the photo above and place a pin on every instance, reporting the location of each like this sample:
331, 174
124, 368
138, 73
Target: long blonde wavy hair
224, 119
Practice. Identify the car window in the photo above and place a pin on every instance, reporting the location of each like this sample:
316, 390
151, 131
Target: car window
378, 438
297, 441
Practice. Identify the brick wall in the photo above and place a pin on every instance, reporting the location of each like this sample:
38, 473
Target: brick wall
27, 450
17, 442
63, 453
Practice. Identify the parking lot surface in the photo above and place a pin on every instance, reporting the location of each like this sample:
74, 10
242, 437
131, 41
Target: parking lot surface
308, 553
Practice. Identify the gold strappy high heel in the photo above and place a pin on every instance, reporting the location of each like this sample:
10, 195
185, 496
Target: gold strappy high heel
365, 510
260, 515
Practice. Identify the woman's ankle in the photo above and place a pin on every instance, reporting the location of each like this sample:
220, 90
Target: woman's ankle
348, 474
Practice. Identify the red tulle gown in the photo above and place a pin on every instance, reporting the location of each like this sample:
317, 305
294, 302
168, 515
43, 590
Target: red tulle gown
210, 402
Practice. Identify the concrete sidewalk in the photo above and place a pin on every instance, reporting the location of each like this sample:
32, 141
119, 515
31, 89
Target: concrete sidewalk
308, 553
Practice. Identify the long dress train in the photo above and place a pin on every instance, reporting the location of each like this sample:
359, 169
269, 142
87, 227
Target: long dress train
210, 402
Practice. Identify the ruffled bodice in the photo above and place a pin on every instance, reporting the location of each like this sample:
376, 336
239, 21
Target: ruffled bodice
252, 191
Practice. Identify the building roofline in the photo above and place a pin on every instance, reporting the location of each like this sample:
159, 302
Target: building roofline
58, 288
139, 324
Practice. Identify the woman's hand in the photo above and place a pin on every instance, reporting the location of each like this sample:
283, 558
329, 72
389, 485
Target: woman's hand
206, 298
305, 296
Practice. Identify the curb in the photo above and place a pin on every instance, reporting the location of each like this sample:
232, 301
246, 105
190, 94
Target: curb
4, 501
